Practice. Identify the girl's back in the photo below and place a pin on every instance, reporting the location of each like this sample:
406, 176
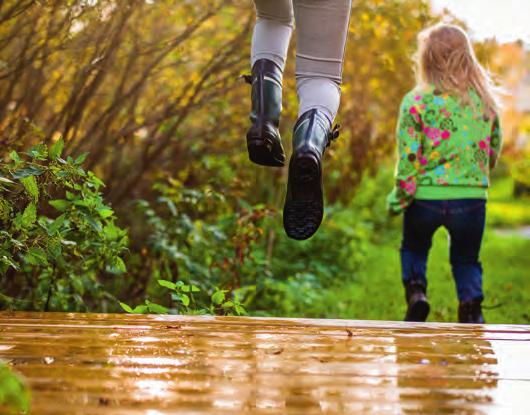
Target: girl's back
448, 140
450, 145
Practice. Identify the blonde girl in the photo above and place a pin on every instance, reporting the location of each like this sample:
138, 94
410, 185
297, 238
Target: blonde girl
448, 141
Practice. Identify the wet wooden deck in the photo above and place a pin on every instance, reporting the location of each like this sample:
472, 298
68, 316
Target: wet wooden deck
126, 364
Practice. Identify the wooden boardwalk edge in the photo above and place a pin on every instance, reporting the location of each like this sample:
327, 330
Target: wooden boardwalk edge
158, 364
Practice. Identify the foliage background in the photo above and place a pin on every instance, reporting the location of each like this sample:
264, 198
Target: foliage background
145, 97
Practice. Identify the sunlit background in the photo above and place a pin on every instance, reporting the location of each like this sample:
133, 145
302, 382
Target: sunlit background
506, 21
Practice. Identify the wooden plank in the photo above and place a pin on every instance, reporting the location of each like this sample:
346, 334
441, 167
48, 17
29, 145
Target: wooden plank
135, 364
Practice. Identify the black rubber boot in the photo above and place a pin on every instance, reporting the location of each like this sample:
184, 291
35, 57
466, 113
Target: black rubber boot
263, 138
418, 306
304, 202
471, 312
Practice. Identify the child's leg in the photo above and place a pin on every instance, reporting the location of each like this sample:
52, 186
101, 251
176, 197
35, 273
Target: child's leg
322, 29
272, 31
420, 222
270, 41
466, 226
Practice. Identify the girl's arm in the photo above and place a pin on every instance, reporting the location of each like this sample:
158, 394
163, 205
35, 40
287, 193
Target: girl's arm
495, 142
409, 131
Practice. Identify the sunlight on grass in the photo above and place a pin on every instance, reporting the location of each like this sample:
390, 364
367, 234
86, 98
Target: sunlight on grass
376, 291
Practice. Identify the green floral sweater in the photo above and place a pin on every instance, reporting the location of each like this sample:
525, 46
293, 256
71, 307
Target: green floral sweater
445, 149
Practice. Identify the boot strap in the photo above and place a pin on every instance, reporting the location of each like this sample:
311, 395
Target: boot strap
247, 78
333, 134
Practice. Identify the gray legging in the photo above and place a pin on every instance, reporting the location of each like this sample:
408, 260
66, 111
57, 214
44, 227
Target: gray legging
321, 31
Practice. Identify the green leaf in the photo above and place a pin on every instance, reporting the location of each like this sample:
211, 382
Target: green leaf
39, 152
111, 231
105, 212
60, 204
54, 248
80, 160
14, 394
77, 283
185, 299
127, 308
96, 225
140, 309
29, 216
117, 266
195, 289
240, 310
57, 149
54, 227
167, 284
218, 297
95, 181
14, 156
156, 308
30, 184
27, 171
36, 256
228, 304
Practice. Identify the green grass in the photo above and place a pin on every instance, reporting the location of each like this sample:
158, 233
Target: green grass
503, 209
377, 293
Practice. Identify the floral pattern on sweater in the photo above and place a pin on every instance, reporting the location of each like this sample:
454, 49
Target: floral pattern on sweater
442, 143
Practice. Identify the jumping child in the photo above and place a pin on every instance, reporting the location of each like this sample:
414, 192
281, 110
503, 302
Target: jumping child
322, 29
448, 141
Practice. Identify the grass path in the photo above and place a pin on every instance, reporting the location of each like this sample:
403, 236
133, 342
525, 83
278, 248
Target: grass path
377, 293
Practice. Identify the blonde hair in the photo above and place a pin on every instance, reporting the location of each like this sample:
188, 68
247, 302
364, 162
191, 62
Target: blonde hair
445, 59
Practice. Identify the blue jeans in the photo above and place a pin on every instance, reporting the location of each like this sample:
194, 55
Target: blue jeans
464, 220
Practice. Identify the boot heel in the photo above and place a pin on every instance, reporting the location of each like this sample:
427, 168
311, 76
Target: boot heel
306, 170
265, 151
304, 209
418, 311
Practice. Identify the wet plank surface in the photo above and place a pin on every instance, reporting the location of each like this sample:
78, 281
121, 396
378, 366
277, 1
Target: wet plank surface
154, 365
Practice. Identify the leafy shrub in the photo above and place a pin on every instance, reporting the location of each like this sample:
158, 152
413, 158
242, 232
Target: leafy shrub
14, 395
298, 273
198, 252
185, 302
59, 239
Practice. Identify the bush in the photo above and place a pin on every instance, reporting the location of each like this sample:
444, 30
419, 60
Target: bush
59, 239
14, 394
298, 273
198, 252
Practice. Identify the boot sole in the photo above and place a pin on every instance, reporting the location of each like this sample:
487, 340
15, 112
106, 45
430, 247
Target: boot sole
304, 205
265, 152
418, 311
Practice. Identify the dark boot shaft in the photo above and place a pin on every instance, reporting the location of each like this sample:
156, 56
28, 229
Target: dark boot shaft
417, 305
414, 289
470, 312
311, 133
266, 93
304, 203
263, 137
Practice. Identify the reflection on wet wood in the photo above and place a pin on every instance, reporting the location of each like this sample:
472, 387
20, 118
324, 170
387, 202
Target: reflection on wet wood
153, 365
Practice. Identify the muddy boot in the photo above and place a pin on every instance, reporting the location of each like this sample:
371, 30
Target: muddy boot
263, 138
304, 202
418, 306
470, 312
